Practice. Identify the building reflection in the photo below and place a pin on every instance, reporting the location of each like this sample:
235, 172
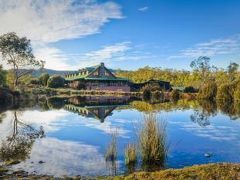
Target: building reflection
98, 107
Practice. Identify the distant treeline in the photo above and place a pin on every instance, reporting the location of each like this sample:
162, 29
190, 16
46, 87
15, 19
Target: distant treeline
194, 78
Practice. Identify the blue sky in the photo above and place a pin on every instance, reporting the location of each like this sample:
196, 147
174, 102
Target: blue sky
126, 34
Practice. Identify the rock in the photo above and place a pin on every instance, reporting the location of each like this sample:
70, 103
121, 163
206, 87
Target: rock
41, 162
207, 155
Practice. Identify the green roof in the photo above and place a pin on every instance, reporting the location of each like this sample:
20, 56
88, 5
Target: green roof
75, 77
97, 78
79, 76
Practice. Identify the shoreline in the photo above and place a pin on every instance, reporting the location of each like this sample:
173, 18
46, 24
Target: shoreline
203, 171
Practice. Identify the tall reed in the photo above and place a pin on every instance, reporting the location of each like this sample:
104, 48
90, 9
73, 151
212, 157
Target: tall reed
152, 142
130, 155
111, 150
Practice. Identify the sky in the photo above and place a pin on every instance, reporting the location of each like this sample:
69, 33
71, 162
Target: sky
126, 34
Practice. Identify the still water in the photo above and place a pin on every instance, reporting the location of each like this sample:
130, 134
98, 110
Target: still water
69, 136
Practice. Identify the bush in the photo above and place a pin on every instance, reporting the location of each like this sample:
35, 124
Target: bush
3, 77
152, 87
56, 82
35, 81
208, 91
236, 94
189, 89
158, 95
225, 92
175, 95
55, 103
44, 79
147, 95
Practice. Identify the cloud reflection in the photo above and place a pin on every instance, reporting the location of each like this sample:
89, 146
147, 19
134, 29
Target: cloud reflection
63, 157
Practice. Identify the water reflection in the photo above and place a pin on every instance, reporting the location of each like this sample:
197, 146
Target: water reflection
98, 107
63, 134
17, 146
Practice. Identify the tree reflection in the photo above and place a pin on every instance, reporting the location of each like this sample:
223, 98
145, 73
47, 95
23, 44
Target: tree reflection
232, 109
201, 115
200, 118
17, 146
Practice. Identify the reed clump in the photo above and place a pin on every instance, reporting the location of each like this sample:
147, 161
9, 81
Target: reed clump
152, 141
111, 150
130, 155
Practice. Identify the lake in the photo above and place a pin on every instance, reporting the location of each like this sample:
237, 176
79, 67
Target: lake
69, 136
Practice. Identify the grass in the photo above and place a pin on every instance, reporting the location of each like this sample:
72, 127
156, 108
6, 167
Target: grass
223, 171
220, 171
111, 150
152, 142
130, 155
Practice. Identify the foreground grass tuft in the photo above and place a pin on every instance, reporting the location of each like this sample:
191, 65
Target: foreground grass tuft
130, 155
152, 142
111, 150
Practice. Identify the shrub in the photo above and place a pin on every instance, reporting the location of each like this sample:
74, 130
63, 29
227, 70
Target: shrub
35, 81
152, 141
56, 81
55, 103
44, 79
236, 94
189, 89
157, 95
152, 87
208, 91
3, 77
175, 95
147, 94
225, 92
130, 155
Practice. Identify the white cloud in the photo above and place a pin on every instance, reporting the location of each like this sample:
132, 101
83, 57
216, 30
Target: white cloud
51, 21
118, 52
107, 53
143, 9
56, 59
45, 21
224, 46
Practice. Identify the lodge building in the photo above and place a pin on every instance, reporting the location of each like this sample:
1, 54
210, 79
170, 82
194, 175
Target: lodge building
97, 78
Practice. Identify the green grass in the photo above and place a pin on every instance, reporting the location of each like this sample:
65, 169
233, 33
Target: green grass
152, 142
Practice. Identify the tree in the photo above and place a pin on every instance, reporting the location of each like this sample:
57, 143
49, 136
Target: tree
56, 81
17, 52
44, 79
232, 69
202, 66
